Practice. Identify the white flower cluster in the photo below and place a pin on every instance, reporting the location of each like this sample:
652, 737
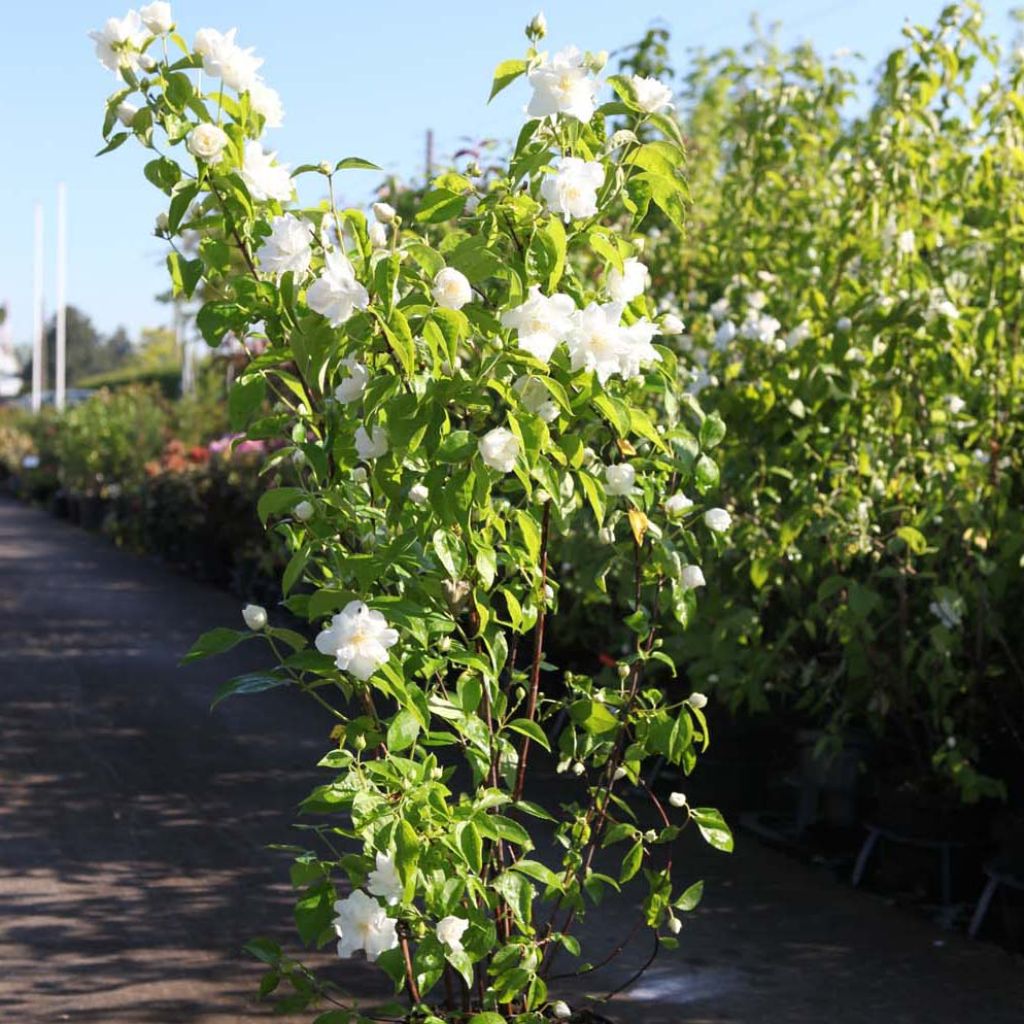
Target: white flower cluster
361, 923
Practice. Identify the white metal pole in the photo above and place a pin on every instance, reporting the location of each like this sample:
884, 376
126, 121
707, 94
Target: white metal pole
37, 314
60, 378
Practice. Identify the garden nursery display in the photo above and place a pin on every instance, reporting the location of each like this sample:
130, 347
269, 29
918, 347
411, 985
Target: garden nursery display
707, 387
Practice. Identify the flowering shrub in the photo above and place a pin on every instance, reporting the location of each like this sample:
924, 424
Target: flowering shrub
454, 402
853, 302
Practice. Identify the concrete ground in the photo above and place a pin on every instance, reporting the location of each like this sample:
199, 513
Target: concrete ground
134, 825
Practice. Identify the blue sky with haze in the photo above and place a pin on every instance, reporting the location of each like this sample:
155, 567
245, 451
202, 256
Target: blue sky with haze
357, 79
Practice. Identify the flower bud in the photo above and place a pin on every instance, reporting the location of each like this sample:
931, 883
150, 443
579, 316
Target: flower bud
671, 324
146, 62
456, 593
304, 511
359, 474
125, 112
537, 30
161, 223
578, 768
606, 535
359, 742
299, 457
650, 836
619, 773
623, 671
384, 212
255, 616
445, 644
418, 494
324, 167
697, 700
560, 1009
378, 236
675, 926
677, 799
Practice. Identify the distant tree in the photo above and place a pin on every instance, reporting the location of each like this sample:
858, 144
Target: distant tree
88, 351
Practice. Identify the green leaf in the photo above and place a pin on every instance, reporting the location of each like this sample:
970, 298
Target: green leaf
244, 399
632, 861
504, 75
353, 163
713, 828
216, 641
440, 205
402, 731
690, 898
278, 500
712, 431
526, 727
914, 539
251, 682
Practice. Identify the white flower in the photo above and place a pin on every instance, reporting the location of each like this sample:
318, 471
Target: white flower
596, 341
541, 322
451, 288
266, 102
619, 479
560, 1010
677, 504
948, 611
255, 616
499, 448
157, 17
691, 577
363, 924
303, 511
288, 247
336, 293
418, 494
651, 95
760, 327
955, 404
843, 324
562, 86
637, 350
757, 300
677, 799
384, 212
378, 235
223, 58
206, 142
450, 930
263, 178
383, 880
671, 324
162, 222
906, 242
720, 309
726, 333
371, 445
626, 284
697, 700
126, 112
717, 520
572, 190
606, 535
800, 333
536, 398
352, 387
118, 42
358, 639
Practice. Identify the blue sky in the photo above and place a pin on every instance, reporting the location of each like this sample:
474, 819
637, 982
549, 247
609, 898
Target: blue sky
358, 78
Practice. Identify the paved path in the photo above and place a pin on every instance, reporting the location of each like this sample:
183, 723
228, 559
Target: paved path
133, 827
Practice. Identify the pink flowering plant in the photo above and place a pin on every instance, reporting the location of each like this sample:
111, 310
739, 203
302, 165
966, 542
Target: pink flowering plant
454, 404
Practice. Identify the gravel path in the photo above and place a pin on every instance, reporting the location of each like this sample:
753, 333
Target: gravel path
134, 824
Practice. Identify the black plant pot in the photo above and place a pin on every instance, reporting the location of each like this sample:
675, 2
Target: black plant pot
93, 510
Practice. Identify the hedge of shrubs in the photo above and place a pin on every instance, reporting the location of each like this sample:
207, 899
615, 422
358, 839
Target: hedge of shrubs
158, 477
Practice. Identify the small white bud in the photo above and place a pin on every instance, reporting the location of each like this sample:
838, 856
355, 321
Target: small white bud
671, 324
619, 773
299, 457
697, 700
560, 1009
359, 474
378, 236
844, 323
623, 671
384, 212
675, 926
650, 835
578, 768
125, 112
538, 29
255, 616
304, 511
161, 223
606, 535
418, 494
677, 799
